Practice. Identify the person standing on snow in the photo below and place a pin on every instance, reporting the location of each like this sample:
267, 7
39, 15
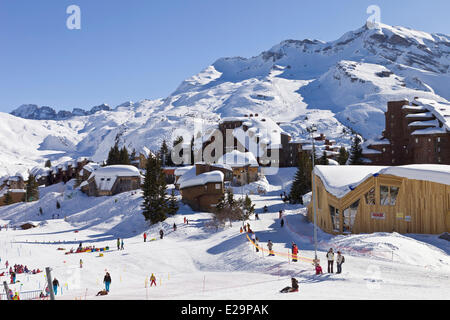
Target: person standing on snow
118, 243
55, 286
270, 246
257, 244
81, 264
153, 280
174, 227
282, 223
145, 237
294, 252
161, 233
107, 281
121, 245
339, 261
330, 258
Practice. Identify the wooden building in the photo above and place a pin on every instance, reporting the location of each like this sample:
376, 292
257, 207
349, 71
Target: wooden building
111, 180
14, 188
202, 192
366, 199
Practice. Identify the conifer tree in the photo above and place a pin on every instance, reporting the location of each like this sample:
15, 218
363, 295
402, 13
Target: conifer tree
113, 155
124, 157
323, 159
155, 204
343, 156
302, 180
32, 189
48, 164
164, 154
173, 204
355, 157
249, 208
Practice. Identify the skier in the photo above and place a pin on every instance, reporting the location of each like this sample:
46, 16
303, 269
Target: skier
241, 230
107, 281
293, 288
55, 286
330, 258
184, 220
265, 209
153, 280
294, 252
280, 214
282, 223
118, 243
339, 261
121, 245
145, 237
174, 227
81, 264
256, 216
161, 233
257, 244
270, 246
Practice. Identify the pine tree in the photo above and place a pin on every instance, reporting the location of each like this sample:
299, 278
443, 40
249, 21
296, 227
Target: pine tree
173, 204
154, 206
48, 164
343, 156
355, 157
302, 180
164, 154
192, 151
176, 142
32, 190
124, 157
58, 205
113, 155
323, 159
249, 208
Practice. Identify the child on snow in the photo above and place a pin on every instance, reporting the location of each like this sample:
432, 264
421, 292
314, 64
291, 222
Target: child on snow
153, 280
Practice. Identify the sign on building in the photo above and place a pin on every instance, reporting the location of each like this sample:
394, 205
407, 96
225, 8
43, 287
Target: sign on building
378, 215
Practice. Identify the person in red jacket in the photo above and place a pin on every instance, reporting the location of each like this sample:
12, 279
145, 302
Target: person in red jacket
318, 269
145, 237
294, 252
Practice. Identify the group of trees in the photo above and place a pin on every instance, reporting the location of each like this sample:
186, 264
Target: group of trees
302, 181
118, 156
229, 209
157, 206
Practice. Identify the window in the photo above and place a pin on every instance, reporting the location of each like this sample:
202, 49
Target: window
370, 197
350, 216
335, 218
438, 139
218, 186
388, 195
384, 195
393, 192
417, 140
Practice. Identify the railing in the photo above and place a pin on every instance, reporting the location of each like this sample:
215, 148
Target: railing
26, 295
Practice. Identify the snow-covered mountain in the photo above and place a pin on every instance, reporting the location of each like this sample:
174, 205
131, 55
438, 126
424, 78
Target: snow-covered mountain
337, 84
34, 112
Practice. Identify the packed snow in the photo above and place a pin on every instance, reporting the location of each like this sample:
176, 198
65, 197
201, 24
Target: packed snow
198, 262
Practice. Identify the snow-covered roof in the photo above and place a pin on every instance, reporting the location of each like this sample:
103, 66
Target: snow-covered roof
237, 158
182, 170
39, 172
264, 128
105, 177
340, 180
441, 110
91, 167
201, 179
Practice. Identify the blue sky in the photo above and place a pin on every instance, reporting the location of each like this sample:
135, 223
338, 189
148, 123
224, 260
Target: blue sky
143, 49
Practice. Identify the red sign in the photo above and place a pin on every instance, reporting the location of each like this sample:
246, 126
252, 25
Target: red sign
378, 215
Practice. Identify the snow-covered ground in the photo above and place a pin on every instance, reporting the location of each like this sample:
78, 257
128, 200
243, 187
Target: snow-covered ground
198, 262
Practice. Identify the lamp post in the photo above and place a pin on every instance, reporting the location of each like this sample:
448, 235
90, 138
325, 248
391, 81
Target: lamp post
311, 130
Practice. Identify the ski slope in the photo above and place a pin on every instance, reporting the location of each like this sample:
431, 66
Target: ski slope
196, 262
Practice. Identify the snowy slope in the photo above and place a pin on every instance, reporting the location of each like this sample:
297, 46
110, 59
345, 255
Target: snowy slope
198, 262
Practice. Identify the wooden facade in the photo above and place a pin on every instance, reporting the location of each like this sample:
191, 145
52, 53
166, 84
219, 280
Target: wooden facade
384, 203
203, 197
